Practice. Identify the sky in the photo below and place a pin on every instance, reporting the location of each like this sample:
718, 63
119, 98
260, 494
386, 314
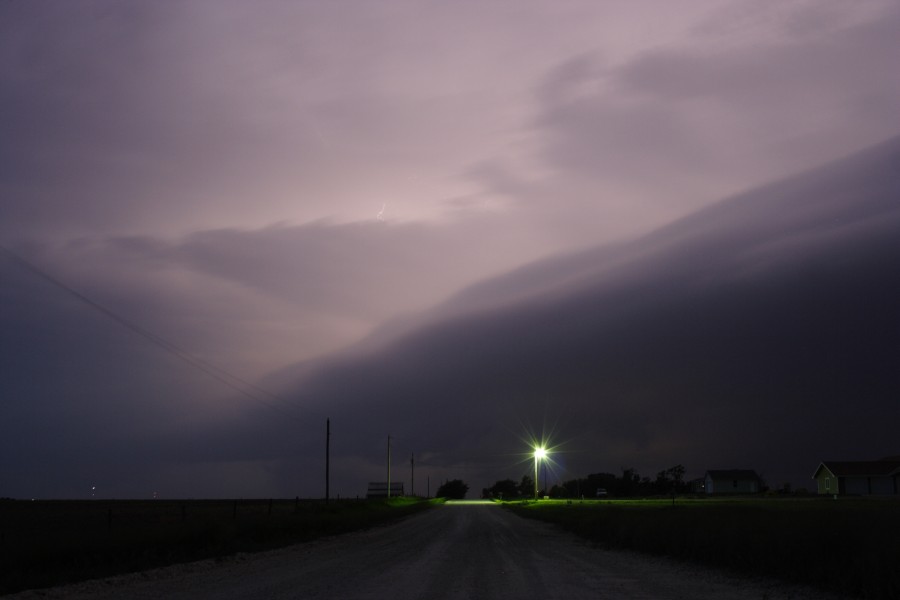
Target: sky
464, 225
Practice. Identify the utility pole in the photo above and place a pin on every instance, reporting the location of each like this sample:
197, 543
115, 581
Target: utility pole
389, 468
412, 475
544, 465
327, 457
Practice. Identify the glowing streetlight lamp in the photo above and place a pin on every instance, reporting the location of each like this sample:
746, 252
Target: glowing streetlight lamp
539, 454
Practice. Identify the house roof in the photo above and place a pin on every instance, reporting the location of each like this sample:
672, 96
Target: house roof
860, 468
732, 474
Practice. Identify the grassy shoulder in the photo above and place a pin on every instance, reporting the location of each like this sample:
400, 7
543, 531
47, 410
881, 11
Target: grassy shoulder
48, 543
848, 546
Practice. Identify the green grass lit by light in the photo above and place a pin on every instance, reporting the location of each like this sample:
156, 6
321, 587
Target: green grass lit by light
842, 545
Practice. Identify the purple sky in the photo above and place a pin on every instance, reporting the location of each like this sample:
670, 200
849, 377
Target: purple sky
265, 185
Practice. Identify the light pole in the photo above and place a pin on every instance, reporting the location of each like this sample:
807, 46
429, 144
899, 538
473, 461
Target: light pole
539, 454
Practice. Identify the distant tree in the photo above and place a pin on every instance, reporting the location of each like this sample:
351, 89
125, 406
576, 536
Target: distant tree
676, 474
574, 488
663, 484
507, 488
455, 489
558, 491
596, 481
526, 486
644, 487
669, 481
629, 484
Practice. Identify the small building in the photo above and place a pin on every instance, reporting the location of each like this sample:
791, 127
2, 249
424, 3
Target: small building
379, 489
859, 478
731, 481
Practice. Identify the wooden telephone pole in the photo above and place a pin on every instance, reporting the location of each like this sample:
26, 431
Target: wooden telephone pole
327, 457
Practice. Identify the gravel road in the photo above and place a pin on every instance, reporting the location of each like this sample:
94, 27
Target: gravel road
459, 550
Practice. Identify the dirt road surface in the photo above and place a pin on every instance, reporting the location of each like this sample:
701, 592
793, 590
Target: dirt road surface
455, 551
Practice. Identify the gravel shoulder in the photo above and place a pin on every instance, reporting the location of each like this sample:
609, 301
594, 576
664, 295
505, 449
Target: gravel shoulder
455, 551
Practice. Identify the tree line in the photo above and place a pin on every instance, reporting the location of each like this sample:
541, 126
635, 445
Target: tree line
629, 483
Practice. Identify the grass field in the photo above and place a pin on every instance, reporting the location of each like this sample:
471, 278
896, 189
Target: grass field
45, 543
847, 546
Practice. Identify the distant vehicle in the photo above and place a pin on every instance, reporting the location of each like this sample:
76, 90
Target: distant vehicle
601, 492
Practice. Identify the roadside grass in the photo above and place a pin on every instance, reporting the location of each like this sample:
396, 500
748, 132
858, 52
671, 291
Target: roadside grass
47, 543
846, 546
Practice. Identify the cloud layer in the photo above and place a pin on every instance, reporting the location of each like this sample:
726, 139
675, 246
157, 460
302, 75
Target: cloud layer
757, 333
259, 187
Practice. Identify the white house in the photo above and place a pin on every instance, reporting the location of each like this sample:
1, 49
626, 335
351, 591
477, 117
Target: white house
859, 478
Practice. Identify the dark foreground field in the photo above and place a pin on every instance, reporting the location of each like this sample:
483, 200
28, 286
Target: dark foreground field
45, 543
847, 546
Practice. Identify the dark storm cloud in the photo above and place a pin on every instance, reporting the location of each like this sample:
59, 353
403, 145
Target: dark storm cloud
90, 402
84, 391
759, 333
82, 397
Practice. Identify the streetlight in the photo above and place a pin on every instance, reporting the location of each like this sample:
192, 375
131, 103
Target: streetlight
539, 454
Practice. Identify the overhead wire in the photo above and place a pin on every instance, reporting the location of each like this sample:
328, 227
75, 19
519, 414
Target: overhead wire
236, 383
232, 381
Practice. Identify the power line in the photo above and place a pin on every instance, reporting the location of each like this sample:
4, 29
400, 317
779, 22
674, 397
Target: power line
236, 383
